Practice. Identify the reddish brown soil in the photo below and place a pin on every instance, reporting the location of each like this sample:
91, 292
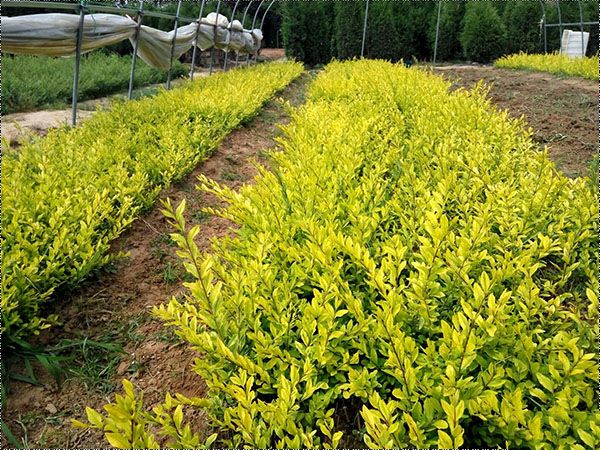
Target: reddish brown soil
563, 112
117, 305
272, 53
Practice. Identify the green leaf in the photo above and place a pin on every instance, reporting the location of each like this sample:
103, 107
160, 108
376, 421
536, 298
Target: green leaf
77, 424
587, 438
545, 382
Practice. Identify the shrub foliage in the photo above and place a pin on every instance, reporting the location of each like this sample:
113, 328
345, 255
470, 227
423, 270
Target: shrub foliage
401, 29
552, 63
68, 195
484, 35
412, 273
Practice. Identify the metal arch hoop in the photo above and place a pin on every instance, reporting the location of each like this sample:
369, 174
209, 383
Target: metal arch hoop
437, 32
237, 56
135, 49
364, 36
256, 13
560, 26
253, 25
229, 38
212, 50
581, 27
262, 22
173, 43
194, 51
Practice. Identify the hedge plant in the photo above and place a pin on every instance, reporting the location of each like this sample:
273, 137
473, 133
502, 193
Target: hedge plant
68, 195
414, 272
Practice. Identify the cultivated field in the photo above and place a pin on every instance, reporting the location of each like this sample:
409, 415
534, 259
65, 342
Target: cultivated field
401, 264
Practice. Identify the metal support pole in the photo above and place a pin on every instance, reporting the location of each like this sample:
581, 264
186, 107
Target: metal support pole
253, 25
437, 32
364, 36
545, 35
230, 30
194, 51
78, 43
173, 44
262, 22
237, 56
543, 25
581, 27
212, 50
135, 49
560, 29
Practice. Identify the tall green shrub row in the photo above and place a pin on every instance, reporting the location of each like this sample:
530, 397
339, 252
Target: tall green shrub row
349, 17
480, 30
308, 31
483, 37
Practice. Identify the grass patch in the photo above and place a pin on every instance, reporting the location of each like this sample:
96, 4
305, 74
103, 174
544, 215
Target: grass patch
40, 82
231, 176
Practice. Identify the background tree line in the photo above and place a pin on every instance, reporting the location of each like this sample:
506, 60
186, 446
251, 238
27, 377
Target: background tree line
477, 30
315, 31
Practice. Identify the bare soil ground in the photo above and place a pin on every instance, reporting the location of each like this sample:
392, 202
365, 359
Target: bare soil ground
115, 307
563, 112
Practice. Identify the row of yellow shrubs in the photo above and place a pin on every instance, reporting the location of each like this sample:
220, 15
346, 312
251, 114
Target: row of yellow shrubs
553, 63
68, 195
412, 273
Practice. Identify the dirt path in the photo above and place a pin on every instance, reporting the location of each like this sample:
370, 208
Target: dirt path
115, 308
562, 111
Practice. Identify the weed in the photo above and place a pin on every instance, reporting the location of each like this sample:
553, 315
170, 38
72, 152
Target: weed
93, 362
264, 154
200, 216
170, 273
231, 176
167, 336
166, 239
232, 160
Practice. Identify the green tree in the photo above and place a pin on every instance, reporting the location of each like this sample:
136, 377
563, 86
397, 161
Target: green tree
522, 21
483, 37
349, 18
307, 29
451, 23
383, 40
412, 22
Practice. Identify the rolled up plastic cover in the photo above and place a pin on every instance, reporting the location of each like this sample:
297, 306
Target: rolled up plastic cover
155, 46
55, 35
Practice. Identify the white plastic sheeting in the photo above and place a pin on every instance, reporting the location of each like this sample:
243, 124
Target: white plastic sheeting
155, 46
571, 44
55, 35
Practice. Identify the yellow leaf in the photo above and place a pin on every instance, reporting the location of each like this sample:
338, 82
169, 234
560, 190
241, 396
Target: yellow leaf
117, 440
